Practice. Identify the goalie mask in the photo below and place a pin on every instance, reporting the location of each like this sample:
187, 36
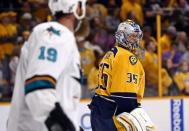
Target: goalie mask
128, 35
68, 7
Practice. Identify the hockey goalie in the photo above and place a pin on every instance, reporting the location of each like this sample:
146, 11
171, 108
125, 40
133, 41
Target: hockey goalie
116, 105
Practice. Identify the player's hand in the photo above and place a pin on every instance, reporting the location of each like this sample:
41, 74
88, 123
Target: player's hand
58, 121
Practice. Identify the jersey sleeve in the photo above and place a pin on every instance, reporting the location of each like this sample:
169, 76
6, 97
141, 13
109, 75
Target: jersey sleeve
105, 76
47, 58
141, 86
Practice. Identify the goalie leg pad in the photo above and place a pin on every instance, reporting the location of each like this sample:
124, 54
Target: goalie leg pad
141, 115
126, 122
137, 120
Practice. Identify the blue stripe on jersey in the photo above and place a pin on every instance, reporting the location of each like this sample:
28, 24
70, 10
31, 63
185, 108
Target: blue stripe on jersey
125, 94
114, 50
126, 102
38, 85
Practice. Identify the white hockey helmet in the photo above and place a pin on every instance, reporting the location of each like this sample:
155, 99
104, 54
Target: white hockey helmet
67, 7
129, 35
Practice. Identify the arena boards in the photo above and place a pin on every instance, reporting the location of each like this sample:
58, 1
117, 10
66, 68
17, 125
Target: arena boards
168, 114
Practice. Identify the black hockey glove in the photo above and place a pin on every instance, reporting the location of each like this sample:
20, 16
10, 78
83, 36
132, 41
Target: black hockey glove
58, 121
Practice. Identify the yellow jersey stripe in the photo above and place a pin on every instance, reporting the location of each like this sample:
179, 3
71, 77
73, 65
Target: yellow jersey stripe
41, 77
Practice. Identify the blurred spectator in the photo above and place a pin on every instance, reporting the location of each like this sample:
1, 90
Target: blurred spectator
100, 35
180, 19
13, 64
96, 10
93, 74
112, 6
84, 29
182, 78
87, 57
167, 39
25, 35
183, 5
3, 82
166, 82
100, 39
151, 68
14, 21
26, 7
147, 36
22, 38
173, 58
181, 41
3, 35
131, 6
185, 56
90, 44
151, 9
40, 13
112, 20
9, 31
87, 63
97, 24
26, 22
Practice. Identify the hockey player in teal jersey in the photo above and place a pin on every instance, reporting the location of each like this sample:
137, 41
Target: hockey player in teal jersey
47, 90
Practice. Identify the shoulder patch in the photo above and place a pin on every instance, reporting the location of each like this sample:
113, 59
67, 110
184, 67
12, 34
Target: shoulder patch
53, 30
133, 60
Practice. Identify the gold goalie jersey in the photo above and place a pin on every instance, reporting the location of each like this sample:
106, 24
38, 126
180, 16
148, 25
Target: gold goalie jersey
121, 75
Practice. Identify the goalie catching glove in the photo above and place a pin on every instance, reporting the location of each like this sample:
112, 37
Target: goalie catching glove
136, 120
58, 121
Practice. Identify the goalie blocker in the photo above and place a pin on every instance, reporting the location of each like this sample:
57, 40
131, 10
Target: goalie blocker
136, 120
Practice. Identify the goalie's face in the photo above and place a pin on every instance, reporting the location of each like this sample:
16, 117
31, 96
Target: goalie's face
133, 38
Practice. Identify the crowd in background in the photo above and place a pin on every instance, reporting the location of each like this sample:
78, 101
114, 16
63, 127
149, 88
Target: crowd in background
96, 36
